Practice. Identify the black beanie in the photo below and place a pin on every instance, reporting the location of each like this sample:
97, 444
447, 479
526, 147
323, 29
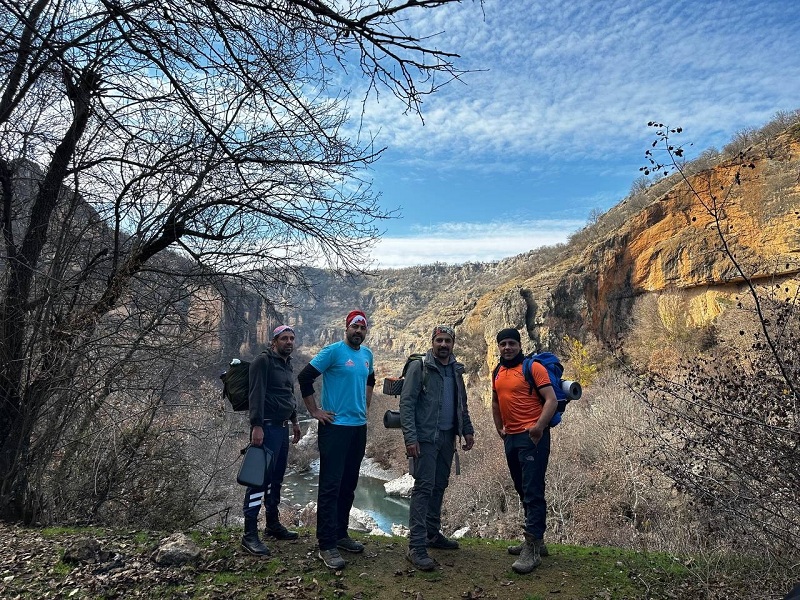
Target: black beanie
510, 332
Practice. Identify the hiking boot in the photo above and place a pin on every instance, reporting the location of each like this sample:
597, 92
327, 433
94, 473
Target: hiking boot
420, 559
349, 544
250, 541
529, 557
332, 559
441, 542
279, 532
515, 550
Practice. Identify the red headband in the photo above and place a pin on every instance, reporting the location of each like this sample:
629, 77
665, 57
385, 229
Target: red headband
357, 316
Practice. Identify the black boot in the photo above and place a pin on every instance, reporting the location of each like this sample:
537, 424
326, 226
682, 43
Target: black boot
250, 541
276, 530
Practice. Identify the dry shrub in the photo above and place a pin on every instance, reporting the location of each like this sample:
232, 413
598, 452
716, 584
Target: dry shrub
168, 465
663, 331
599, 487
726, 430
306, 451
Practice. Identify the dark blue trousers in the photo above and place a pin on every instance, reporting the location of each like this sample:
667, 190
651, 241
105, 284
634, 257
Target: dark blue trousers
276, 438
527, 463
341, 449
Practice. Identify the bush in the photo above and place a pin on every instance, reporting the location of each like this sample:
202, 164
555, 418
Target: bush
663, 331
727, 431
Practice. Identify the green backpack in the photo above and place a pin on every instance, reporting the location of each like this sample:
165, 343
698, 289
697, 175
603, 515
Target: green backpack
236, 384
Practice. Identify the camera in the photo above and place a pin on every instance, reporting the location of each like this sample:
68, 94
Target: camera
391, 419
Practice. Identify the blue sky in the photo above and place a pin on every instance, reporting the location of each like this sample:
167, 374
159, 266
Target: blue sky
552, 123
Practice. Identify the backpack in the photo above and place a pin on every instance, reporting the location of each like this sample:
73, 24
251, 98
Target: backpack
392, 386
236, 384
564, 389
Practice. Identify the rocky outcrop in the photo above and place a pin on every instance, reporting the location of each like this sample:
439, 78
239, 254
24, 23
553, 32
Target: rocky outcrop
400, 487
246, 322
676, 242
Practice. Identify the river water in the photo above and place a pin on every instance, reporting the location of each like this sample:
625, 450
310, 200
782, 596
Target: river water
301, 488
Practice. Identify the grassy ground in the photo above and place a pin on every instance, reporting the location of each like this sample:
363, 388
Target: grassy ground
32, 566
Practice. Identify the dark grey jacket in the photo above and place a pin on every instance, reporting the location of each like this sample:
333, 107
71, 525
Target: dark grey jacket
419, 409
271, 388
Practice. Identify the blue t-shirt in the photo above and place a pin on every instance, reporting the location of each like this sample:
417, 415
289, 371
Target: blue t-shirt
344, 381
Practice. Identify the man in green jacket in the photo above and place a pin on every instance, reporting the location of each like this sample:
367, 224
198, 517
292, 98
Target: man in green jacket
433, 412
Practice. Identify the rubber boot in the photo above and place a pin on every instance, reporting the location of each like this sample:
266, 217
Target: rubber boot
250, 541
529, 558
276, 530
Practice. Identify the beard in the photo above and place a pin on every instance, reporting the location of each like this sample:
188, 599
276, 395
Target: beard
512, 362
355, 339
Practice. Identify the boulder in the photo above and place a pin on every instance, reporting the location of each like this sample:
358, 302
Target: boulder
400, 487
81, 551
361, 521
400, 530
460, 533
176, 550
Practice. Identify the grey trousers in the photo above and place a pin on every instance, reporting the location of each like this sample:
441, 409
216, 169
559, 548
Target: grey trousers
431, 476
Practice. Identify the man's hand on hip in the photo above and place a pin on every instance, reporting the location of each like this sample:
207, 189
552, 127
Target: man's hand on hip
323, 416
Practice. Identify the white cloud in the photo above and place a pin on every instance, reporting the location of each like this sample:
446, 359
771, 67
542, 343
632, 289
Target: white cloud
456, 243
577, 78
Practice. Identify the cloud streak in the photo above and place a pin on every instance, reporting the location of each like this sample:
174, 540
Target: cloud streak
552, 120
456, 243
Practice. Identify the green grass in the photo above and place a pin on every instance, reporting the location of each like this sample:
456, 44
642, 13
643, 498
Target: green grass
480, 569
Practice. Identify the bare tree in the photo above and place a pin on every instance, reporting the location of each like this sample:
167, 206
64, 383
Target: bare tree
211, 130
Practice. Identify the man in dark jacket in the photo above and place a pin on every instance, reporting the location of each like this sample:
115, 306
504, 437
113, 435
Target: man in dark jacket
272, 407
433, 412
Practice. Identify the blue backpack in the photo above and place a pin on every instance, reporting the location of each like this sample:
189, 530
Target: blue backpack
565, 390
555, 370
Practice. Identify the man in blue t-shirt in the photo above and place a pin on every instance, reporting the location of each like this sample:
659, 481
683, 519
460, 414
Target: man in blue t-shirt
348, 378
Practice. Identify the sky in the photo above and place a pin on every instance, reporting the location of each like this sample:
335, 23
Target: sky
551, 122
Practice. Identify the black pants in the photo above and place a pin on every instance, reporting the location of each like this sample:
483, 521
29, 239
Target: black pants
341, 450
527, 463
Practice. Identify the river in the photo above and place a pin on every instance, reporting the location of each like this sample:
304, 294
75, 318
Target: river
301, 488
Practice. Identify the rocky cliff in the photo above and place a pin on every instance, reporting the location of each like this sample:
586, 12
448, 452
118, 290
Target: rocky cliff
669, 237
